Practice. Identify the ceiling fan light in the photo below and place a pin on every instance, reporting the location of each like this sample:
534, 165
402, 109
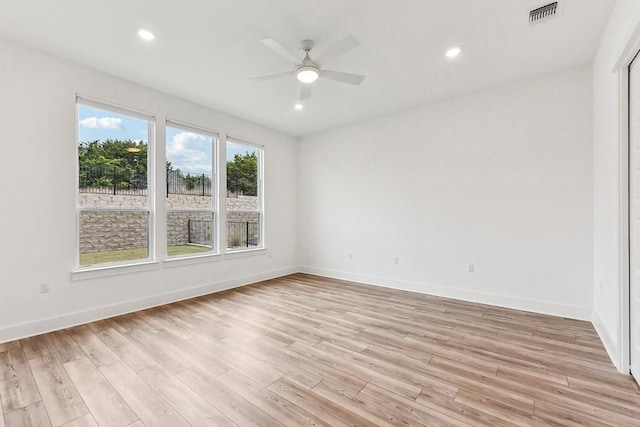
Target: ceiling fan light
453, 52
307, 74
146, 34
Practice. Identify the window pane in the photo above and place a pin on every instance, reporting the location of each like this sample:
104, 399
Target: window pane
189, 232
112, 180
243, 196
113, 236
242, 170
243, 230
112, 158
190, 191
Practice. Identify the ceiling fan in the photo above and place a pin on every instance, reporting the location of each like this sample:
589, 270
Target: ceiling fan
308, 70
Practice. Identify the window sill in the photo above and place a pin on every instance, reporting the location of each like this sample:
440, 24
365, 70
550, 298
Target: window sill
113, 270
243, 253
190, 260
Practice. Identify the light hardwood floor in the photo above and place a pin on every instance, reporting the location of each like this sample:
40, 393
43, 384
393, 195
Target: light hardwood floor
304, 350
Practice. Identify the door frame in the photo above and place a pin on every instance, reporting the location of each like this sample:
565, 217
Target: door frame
621, 68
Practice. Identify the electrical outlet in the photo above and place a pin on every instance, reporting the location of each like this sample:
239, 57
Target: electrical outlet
472, 268
396, 260
45, 287
350, 255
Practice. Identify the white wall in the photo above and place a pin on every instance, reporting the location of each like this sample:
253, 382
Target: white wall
607, 316
37, 219
499, 179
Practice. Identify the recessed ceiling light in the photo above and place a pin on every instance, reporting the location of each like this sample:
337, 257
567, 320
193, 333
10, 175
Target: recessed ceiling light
298, 107
146, 34
453, 52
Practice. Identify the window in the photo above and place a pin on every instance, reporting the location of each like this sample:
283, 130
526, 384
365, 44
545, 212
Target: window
117, 189
114, 187
244, 195
190, 191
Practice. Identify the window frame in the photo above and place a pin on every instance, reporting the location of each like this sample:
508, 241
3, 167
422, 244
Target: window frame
150, 207
214, 207
260, 202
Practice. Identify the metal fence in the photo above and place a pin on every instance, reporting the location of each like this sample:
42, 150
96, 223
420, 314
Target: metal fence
179, 182
199, 232
242, 234
239, 233
104, 179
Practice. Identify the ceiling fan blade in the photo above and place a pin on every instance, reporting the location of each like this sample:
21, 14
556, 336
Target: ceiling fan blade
272, 76
343, 46
352, 79
305, 91
275, 45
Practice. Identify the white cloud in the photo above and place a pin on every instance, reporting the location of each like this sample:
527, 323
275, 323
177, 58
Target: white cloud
188, 152
102, 123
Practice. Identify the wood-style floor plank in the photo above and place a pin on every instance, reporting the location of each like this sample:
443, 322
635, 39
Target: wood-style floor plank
33, 415
269, 402
102, 399
95, 349
162, 353
64, 346
307, 350
278, 361
400, 387
185, 401
10, 345
329, 412
238, 360
59, 394
152, 409
346, 380
17, 386
503, 411
133, 356
375, 415
234, 406
84, 421
413, 412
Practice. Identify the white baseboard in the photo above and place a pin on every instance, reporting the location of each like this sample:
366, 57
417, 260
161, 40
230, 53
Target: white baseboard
609, 342
543, 307
41, 326
29, 329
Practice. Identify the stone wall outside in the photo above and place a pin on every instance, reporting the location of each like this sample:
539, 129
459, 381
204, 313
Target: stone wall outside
102, 231
178, 227
242, 203
183, 201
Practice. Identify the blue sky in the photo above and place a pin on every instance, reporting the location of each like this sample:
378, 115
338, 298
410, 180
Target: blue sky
187, 151
98, 124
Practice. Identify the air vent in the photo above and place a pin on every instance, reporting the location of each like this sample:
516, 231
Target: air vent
543, 13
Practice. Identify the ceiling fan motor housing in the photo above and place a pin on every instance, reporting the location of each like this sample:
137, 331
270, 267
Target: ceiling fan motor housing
307, 45
309, 71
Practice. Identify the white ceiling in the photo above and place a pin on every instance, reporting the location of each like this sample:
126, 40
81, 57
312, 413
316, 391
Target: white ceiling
205, 51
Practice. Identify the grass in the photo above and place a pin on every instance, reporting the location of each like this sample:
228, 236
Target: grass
186, 249
136, 253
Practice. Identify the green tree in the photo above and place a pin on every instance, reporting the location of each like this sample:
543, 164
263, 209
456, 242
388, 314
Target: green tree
103, 162
242, 174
